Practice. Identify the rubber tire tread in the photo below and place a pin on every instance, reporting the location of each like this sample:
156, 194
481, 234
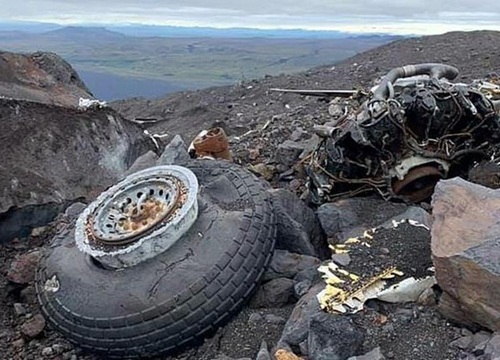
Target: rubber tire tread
232, 281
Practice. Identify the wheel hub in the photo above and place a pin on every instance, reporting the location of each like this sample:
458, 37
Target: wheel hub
139, 217
136, 209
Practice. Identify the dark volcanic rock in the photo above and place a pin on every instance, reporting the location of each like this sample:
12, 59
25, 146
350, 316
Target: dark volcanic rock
298, 226
287, 264
288, 152
297, 327
53, 155
41, 77
344, 218
275, 293
333, 337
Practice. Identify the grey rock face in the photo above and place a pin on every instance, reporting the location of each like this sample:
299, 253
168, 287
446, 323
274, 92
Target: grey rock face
465, 251
54, 156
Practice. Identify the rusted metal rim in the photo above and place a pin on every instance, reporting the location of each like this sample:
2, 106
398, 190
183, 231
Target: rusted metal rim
140, 217
135, 209
418, 184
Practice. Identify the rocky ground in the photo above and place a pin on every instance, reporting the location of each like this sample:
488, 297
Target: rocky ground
270, 132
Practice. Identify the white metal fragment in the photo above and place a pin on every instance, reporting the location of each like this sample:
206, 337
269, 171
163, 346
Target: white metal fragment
407, 290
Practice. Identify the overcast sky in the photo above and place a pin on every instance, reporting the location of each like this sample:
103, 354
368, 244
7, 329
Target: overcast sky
396, 16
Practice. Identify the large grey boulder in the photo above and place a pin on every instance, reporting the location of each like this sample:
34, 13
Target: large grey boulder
466, 251
52, 156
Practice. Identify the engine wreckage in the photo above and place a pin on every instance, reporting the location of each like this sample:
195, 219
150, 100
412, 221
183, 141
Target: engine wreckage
413, 129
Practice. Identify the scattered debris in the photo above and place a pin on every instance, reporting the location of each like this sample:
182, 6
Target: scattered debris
346, 290
84, 104
408, 290
212, 143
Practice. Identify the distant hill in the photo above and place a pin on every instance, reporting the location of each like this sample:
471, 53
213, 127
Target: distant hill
179, 31
112, 61
85, 33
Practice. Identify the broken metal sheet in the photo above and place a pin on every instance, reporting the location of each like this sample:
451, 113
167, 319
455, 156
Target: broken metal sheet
322, 93
346, 291
408, 290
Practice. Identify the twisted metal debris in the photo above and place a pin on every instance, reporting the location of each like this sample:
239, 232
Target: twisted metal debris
415, 128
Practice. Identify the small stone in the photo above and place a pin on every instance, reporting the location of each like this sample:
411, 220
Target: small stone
254, 318
28, 295
274, 319
275, 293
335, 110
38, 231
68, 356
19, 309
58, 348
301, 288
288, 152
34, 326
47, 351
17, 344
375, 354
253, 154
22, 269
385, 251
341, 259
74, 210
298, 134
333, 337
263, 353
262, 170
463, 343
294, 185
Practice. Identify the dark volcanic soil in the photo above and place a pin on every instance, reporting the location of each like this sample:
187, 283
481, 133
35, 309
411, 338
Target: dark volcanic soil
258, 120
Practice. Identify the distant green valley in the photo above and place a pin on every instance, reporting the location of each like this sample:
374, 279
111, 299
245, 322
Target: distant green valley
115, 65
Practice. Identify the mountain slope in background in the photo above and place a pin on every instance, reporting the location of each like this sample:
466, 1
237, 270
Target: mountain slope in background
251, 104
118, 66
